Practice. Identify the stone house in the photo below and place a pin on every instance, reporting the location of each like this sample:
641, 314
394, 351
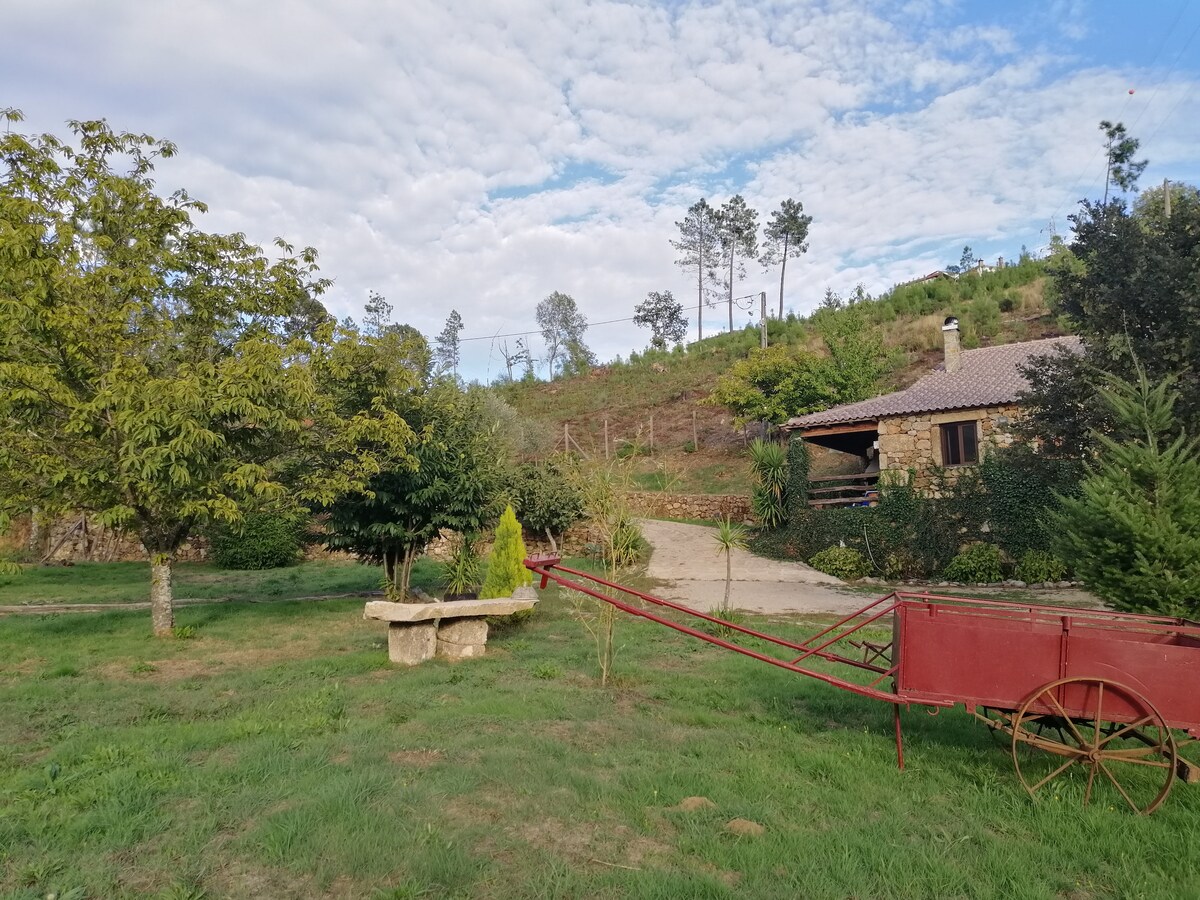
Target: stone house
946, 420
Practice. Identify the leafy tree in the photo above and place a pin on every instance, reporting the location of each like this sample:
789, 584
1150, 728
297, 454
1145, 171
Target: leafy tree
1128, 285
737, 232
785, 235
518, 356
1134, 532
856, 355
506, 565
698, 246
377, 314
448, 352
579, 359
563, 327
546, 497
773, 384
968, 260
151, 373
777, 383
454, 483
663, 315
1121, 169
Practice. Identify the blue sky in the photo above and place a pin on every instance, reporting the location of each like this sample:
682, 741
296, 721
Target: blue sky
479, 155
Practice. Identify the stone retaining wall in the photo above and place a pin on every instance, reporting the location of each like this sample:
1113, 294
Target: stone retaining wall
658, 505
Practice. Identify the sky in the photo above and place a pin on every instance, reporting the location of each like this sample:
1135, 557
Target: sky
478, 155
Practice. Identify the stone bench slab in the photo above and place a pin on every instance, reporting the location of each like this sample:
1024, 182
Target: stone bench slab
387, 611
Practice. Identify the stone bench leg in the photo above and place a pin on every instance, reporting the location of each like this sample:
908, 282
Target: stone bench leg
411, 643
462, 638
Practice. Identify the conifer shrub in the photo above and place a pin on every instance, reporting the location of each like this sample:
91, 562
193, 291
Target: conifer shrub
506, 564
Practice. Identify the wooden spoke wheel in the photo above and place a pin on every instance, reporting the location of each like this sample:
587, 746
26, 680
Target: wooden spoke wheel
1122, 746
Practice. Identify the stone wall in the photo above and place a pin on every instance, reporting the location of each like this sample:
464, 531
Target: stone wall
915, 442
659, 505
83, 539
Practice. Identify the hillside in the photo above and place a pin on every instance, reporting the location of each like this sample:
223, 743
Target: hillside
669, 388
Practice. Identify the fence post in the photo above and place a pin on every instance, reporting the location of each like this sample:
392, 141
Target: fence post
606, 438
695, 439
652, 434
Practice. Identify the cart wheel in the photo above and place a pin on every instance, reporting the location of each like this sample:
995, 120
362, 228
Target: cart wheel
1136, 759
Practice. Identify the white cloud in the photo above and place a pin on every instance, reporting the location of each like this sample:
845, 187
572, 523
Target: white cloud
429, 150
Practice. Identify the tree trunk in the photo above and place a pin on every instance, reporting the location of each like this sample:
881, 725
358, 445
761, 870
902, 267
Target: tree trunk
389, 566
731, 255
782, 272
728, 576
700, 297
162, 599
553, 546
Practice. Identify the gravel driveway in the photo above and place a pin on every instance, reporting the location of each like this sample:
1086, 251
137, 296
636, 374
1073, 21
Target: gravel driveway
685, 558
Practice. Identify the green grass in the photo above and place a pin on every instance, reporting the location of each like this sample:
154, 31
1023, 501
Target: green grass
130, 582
278, 754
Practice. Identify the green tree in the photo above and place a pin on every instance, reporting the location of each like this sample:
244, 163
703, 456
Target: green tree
856, 354
1133, 534
151, 373
663, 315
453, 483
506, 565
546, 497
1121, 168
448, 352
773, 384
563, 327
968, 260
785, 235
737, 233
1128, 285
697, 247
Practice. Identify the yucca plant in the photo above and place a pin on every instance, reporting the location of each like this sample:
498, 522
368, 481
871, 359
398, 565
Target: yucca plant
730, 536
768, 501
464, 569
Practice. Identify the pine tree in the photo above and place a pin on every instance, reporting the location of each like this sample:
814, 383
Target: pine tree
1133, 535
448, 352
506, 565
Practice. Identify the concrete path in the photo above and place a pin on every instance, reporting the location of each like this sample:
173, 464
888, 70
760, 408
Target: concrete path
685, 558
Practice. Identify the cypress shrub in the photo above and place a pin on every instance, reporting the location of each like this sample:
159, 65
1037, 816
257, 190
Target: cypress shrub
506, 565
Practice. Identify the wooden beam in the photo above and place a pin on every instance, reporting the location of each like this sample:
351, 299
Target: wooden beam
824, 430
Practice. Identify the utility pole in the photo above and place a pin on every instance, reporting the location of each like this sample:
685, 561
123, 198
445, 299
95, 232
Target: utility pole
763, 319
1167, 200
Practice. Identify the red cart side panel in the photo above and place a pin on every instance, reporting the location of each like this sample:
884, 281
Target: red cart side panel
965, 655
1163, 668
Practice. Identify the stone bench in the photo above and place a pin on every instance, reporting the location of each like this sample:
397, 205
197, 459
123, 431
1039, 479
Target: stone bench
456, 629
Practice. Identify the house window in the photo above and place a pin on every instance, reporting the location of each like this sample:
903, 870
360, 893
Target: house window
960, 444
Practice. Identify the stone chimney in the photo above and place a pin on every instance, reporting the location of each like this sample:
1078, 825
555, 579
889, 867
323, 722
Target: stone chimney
953, 356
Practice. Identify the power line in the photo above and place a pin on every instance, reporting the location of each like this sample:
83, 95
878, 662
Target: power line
1161, 46
492, 337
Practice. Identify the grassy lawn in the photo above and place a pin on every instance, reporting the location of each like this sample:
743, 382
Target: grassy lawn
130, 582
278, 754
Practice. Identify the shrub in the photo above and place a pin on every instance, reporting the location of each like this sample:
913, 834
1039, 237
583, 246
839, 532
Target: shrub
464, 568
768, 461
977, 563
1039, 565
264, 540
546, 497
506, 566
845, 563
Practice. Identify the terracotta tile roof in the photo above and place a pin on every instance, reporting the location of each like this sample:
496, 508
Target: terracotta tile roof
989, 376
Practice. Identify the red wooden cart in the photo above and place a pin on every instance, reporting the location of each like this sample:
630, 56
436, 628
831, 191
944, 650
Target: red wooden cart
1110, 696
